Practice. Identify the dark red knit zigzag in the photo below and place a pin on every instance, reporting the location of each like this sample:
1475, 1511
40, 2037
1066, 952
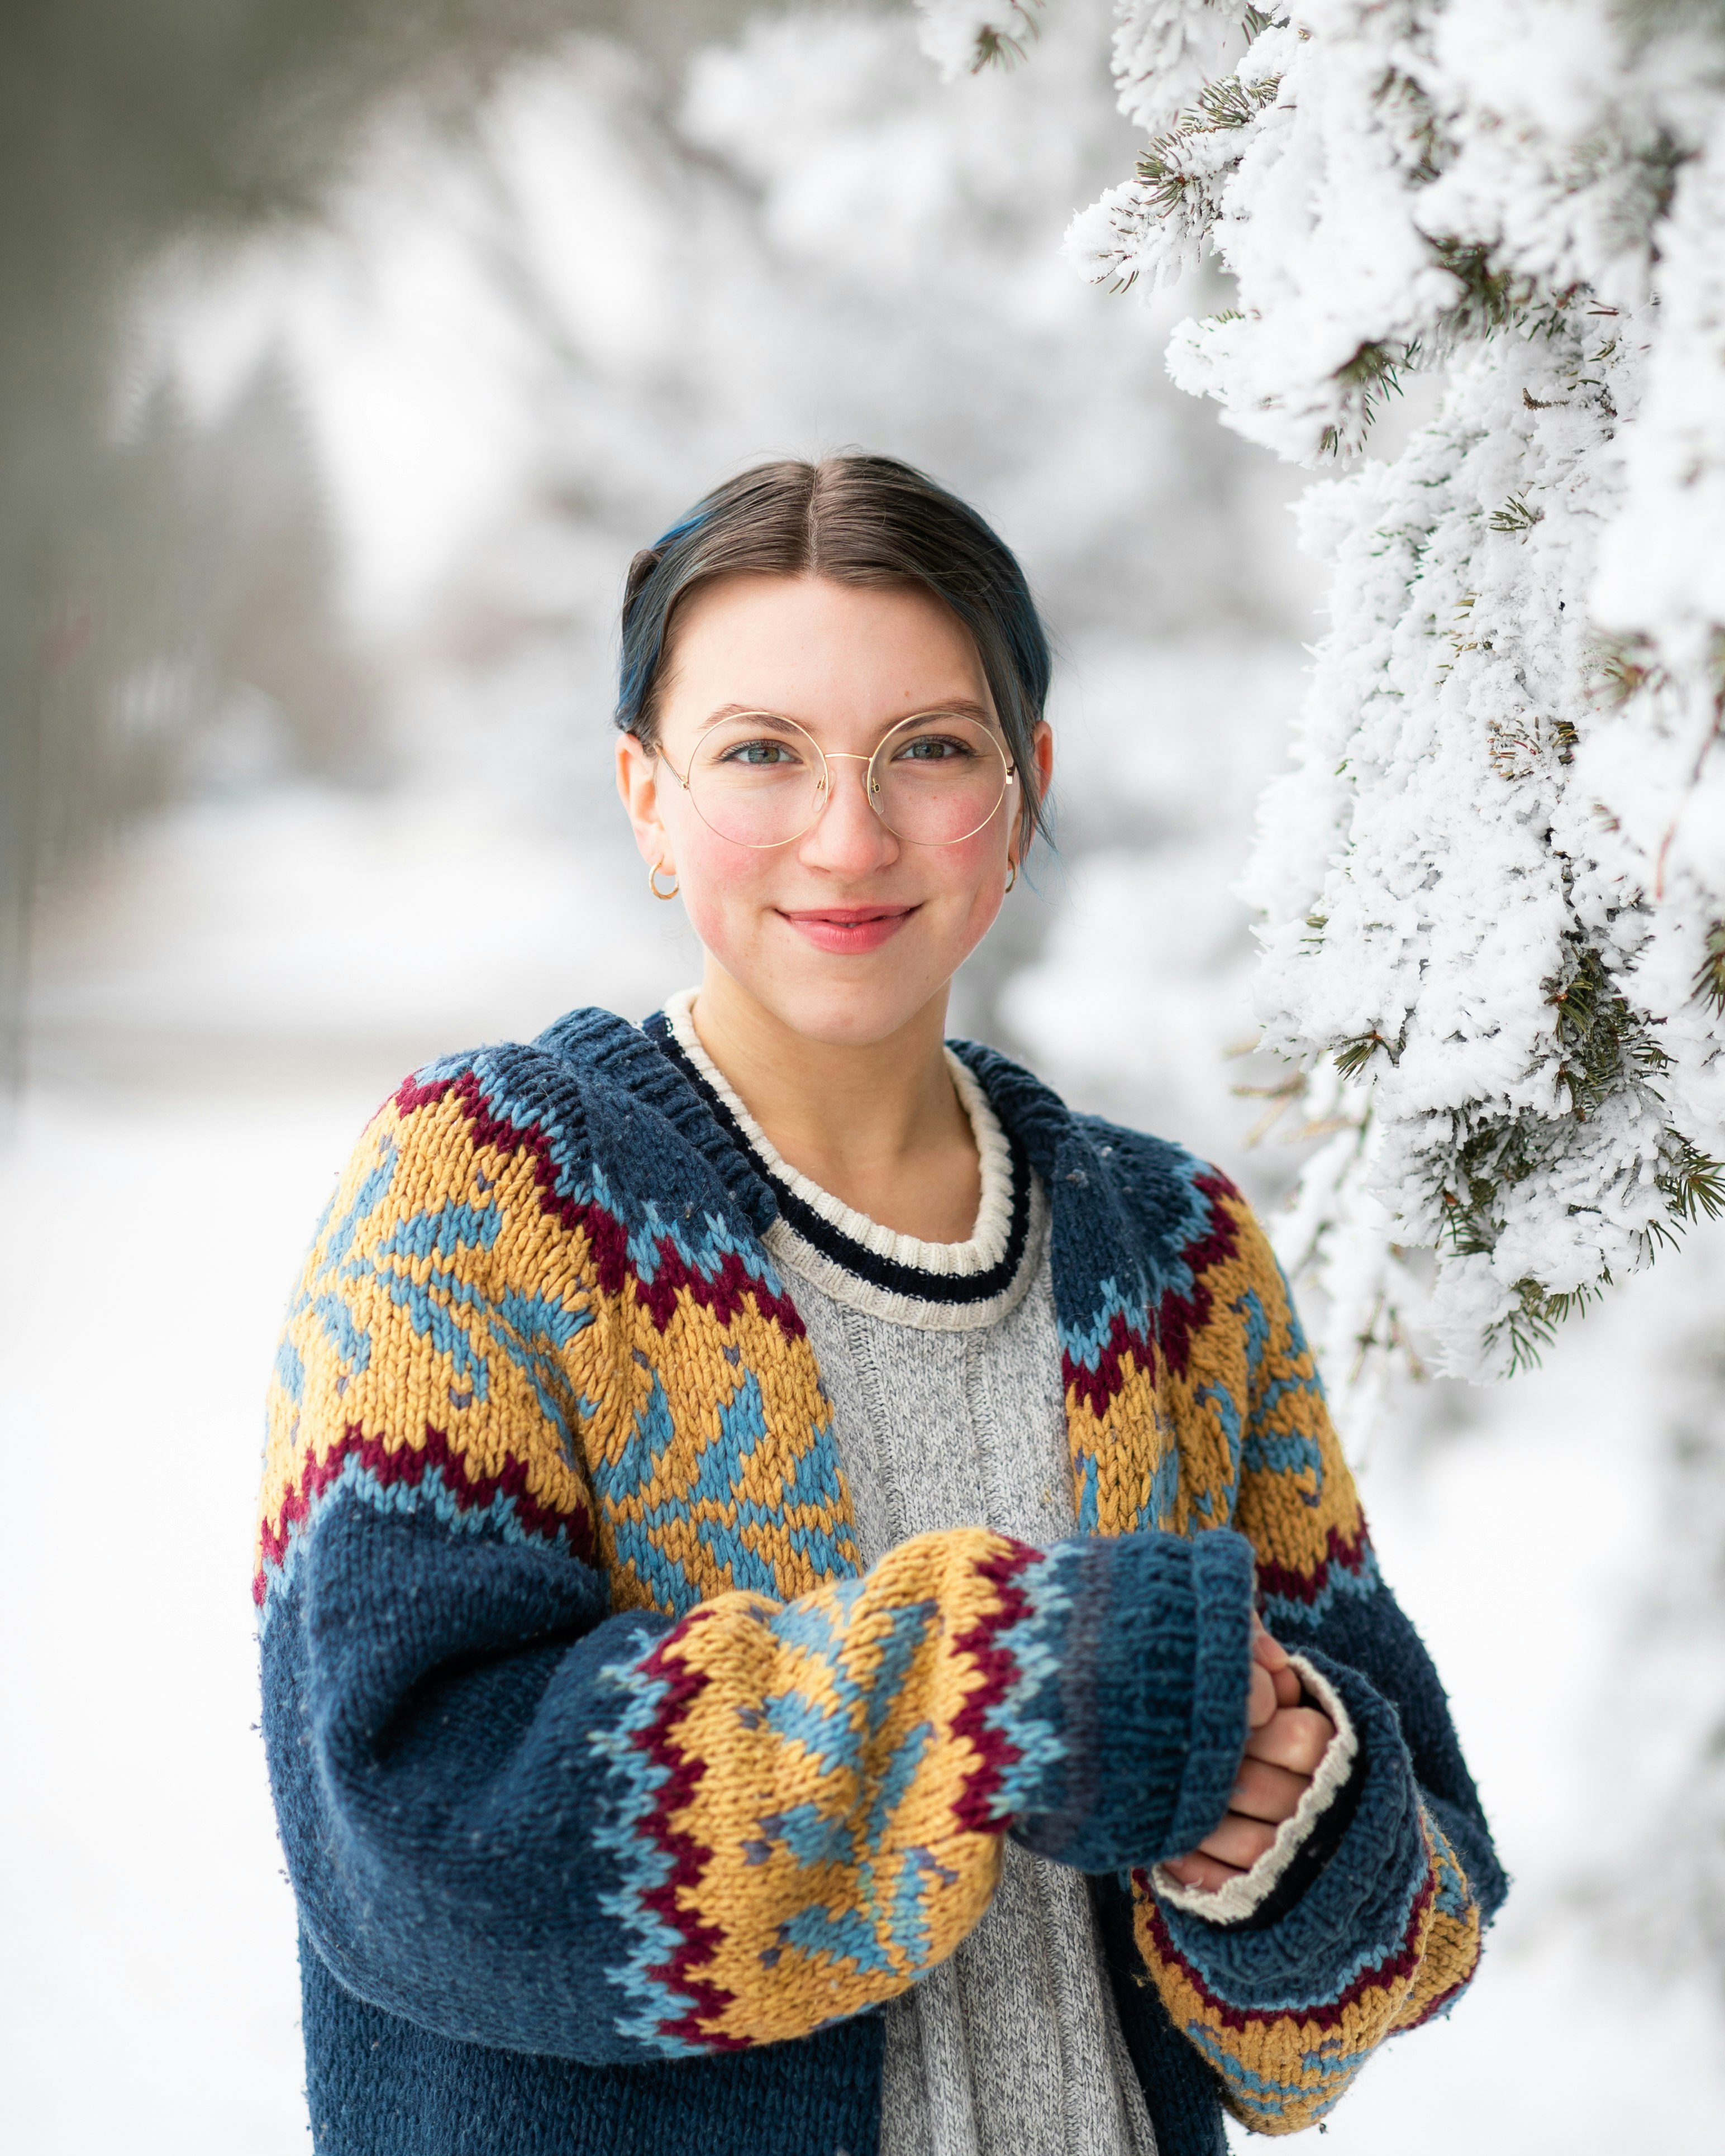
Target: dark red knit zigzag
697, 1942
406, 1467
1180, 1318
1177, 1318
1342, 1553
724, 1292
995, 1751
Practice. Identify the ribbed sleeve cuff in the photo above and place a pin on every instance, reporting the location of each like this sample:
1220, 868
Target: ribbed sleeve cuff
1152, 1711
1243, 1897
1355, 1906
1224, 1582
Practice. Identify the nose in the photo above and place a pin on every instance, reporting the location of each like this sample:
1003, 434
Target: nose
848, 838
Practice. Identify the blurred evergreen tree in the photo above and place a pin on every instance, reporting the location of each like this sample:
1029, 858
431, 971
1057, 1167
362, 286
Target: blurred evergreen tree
136, 592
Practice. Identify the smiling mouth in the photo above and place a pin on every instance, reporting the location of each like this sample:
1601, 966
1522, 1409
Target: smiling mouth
848, 927
847, 917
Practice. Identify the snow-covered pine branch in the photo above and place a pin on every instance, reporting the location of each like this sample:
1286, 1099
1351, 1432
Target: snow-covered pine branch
1493, 885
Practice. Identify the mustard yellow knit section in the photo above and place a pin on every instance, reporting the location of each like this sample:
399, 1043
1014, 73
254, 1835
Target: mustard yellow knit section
691, 1384
1215, 1418
391, 1345
453, 1311
1452, 1945
1302, 1514
862, 1877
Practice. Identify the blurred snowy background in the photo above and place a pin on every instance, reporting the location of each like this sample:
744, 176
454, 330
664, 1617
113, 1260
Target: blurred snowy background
344, 803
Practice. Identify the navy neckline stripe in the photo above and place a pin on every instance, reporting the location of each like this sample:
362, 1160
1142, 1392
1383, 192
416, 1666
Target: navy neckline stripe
950, 1289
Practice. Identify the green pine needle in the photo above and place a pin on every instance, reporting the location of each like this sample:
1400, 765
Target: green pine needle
1515, 515
1710, 974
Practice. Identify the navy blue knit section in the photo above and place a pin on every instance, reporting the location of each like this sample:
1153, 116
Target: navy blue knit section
637, 1076
1124, 1204
429, 1705
950, 1289
379, 2086
1373, 1634
1153, 1678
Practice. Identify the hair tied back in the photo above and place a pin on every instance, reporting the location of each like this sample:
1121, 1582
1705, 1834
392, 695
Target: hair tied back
640, 567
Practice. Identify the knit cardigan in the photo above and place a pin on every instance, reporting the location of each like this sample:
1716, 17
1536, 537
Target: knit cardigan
617, 1798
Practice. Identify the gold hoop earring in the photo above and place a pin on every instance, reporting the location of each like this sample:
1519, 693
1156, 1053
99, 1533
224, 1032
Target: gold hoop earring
1013, 877
652, 876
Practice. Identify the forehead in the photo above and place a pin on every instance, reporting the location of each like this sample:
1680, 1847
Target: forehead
814, 649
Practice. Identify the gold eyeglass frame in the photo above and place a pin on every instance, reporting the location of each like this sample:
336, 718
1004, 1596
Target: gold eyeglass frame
823, 790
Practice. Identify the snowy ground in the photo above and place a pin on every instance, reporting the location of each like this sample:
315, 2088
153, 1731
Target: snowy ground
157, 1222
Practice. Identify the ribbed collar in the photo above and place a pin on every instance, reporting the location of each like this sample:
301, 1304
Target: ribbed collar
601, 1041
945, 1287
1029, 1112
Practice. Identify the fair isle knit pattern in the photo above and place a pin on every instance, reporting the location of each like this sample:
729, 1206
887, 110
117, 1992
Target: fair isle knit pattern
615, 1792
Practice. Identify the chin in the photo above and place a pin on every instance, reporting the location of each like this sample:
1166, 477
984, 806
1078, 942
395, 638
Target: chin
844, 1013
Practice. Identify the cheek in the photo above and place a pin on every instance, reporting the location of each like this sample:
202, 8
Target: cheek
969, 877
723, 887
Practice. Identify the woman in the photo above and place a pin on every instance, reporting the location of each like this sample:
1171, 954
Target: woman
764, 1512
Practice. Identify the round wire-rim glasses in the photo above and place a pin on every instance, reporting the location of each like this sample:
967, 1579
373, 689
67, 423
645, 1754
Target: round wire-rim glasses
761, 780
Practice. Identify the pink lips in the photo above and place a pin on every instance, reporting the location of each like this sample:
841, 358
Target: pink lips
849, 928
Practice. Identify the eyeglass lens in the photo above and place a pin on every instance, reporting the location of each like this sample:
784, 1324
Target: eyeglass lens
937, 779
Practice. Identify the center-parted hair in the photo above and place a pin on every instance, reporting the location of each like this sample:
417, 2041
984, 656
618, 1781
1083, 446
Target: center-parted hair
857, 520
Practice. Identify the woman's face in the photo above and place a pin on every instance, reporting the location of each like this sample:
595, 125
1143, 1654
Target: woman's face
845, 933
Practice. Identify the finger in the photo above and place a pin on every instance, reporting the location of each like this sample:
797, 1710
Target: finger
1204, 1872
1288, 1686
1260, 1699
1266, 1650
1265, 1792
1237, 1841
1296, 1738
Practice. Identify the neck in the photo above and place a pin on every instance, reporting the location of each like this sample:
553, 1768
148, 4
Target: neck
877, 1123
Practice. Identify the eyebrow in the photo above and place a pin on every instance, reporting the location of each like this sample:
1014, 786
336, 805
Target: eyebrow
955, 707
746, 712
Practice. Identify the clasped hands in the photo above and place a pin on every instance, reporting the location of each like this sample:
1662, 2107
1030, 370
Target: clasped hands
1285, 1744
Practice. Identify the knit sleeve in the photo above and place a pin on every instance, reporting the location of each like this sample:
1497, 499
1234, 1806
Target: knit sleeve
585, 1736
1376, 1925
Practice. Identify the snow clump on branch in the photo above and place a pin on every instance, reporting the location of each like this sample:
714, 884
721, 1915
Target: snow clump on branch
1493, 885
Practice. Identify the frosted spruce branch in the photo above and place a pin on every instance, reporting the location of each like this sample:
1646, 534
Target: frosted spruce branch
1493, 884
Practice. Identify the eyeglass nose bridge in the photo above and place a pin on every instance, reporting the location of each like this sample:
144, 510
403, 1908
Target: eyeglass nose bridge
872, 787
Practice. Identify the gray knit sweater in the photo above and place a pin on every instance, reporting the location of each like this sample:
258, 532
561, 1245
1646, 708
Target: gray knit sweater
943, 1365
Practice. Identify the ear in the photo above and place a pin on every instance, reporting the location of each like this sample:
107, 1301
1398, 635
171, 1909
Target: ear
638, 775
1042, 776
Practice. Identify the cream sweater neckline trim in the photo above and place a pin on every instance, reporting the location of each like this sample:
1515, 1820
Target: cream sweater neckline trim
986, 1245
